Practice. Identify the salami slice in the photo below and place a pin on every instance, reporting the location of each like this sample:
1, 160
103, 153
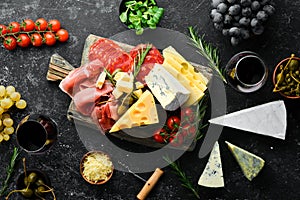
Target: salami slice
153, 56
111, 54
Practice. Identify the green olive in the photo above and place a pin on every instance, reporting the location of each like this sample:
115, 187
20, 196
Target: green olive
293, 65
26, 181
27, 192
32, 177
39, 182
40, 190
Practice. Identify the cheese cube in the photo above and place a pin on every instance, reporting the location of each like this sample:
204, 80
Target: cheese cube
124, 86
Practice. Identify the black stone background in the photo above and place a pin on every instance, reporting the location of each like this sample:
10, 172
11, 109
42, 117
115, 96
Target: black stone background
26, 70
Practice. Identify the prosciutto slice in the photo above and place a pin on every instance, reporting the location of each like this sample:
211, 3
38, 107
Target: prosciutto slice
86, 99
111, 55
81, 78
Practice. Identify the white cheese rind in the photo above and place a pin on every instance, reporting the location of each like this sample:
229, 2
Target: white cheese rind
166, 88
268, 119
212, 175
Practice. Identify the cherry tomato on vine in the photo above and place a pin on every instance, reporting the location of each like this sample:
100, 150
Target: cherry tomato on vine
188, 114
54, 25
36, 39
160, 135
192, 131
185, 130
177, 140
173, 123
49, 38
10, 42
23, 40
62, 35
3, 29
27, 25
14, 27
41, 24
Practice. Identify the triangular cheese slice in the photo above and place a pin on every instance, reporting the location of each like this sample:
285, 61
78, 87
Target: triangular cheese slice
212, 175
250, 164
142, 112
267, 119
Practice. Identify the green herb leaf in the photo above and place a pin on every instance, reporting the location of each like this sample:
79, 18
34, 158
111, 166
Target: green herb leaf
123, 17
206, 50
9, 170
185, 180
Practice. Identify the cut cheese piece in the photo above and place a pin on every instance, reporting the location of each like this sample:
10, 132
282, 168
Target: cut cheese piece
167, 90
267, 119
212, 175
142, 112
184, 72
250, 164
101, 79
187, 67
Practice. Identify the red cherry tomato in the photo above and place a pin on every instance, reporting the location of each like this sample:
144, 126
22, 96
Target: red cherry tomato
62, 35
50, 39
177, 140
192, 132
23, 40
158, 138
54, 25
185, 130
3, 29
41, 24
173, 123
10, 42
14, 27
36, 39
27, 25
188, 114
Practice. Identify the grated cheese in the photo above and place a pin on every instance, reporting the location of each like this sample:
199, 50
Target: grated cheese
97, 167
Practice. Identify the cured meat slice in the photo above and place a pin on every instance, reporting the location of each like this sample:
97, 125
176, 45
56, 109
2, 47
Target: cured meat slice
81, 78
111, 54
153, 56
86, 99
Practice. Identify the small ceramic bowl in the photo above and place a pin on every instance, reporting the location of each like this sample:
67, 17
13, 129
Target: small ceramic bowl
123, 8
82, 167
40, 174
277, 71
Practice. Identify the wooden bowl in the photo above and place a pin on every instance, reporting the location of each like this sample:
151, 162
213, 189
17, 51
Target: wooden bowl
83, 160
276, 71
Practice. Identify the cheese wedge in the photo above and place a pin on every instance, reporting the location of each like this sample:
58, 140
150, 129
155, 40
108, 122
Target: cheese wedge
212, 175
250, 164
267, 119
101, 79
184, 72
187, 67
166, 88
142, 112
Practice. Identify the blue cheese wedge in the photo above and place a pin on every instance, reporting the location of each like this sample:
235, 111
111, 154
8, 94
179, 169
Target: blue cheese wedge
166, 88
268, 119
250, 164
212, 175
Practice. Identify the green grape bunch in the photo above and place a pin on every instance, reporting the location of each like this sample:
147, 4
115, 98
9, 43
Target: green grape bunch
9, 97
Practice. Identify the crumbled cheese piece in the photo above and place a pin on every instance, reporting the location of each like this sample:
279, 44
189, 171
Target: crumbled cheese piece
101, 80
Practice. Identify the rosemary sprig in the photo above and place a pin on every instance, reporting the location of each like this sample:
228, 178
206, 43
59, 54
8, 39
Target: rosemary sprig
140, 59
9, 170
202, 110
185, 180
209, 52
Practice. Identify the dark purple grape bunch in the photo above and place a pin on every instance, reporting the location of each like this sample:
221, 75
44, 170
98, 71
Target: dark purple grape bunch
240, 19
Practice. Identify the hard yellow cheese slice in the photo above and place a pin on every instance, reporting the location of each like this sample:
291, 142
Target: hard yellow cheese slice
184, 72
250, 164
142, 112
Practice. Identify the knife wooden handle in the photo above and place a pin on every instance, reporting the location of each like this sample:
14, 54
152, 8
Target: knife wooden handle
150, 184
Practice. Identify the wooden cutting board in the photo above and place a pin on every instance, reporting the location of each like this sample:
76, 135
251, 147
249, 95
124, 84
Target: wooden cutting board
144, 132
